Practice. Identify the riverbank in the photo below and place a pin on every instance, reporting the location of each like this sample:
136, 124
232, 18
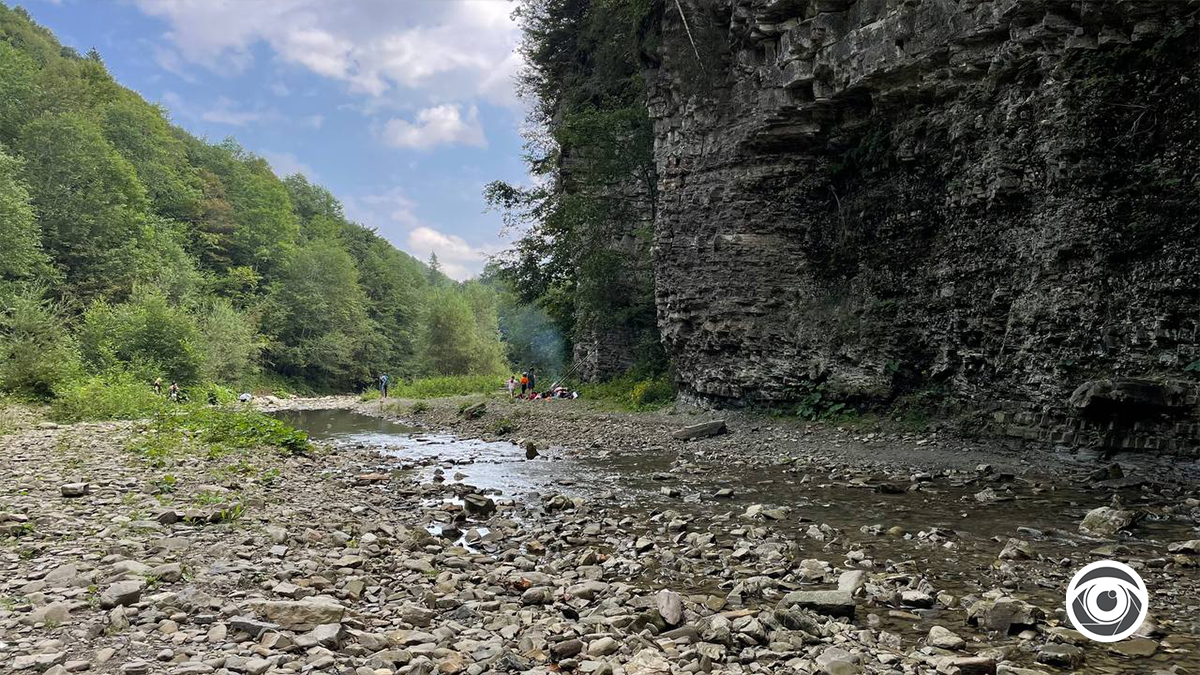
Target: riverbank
582, 425
773, 548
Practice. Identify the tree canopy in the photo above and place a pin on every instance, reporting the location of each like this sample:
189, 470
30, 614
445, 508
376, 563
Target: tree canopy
130, 245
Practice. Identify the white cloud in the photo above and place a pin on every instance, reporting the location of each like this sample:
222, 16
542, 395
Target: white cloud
439, 49
459, 259
440, 125
393, 215
226, 111
383, 210
285, 164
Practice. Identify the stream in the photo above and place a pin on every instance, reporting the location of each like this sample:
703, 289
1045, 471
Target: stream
950, 525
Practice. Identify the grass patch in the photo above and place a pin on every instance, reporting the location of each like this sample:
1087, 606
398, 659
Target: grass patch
214, 433
113, 396
633, 391
452, 385
371, 394
232, 428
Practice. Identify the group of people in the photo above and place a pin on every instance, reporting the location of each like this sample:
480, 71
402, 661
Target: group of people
172, 391
528, 385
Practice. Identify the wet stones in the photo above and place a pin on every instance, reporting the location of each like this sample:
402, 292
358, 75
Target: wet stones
1060, 655
851, 581
1016, 549
1106, 521
1006, 615
1191, 547
944, 638
479, 505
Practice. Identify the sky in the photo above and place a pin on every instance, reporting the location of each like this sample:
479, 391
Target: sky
404, 109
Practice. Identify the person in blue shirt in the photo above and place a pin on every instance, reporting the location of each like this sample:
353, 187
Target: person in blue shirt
384, 379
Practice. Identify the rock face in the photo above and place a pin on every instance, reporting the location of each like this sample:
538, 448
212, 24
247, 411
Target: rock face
992, 202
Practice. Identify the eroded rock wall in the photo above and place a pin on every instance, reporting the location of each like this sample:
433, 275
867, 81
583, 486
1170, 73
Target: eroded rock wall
980, 204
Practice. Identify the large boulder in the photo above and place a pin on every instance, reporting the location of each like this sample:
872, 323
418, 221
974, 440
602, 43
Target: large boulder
1106, 521
1129, 397
1005, 615
299, 614
702, 430
829, 603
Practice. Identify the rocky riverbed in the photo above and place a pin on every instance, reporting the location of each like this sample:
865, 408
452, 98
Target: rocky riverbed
490, 536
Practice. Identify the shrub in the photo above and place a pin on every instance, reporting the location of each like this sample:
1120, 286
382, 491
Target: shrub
146, 335
116, 395
231, 428
231, 344
371, 394
451, 385
633, 391
37, 352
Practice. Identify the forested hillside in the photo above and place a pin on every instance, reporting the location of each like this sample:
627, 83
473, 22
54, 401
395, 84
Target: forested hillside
134, 250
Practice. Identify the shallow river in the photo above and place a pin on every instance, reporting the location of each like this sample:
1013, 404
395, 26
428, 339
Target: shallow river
1045, 513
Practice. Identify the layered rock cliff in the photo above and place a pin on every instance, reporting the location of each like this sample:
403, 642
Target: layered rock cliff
989, 205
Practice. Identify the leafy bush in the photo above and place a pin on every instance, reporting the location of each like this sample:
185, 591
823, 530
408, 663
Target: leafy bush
231, 428
633, 391
652, 393
145, 334
231, 344
371, 394
37, 353
116, 395
453, 385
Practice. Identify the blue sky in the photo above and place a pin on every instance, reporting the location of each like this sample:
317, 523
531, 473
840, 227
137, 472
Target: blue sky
404, 109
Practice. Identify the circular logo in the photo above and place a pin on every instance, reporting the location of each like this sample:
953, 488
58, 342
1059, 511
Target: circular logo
1107, 601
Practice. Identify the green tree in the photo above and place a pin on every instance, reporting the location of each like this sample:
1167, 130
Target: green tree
230, 342
317, 318
262, 227
18, 231
37, 352
460, 335
393, 282
18, 91
140, 132
90, 204
435, 270
145, 335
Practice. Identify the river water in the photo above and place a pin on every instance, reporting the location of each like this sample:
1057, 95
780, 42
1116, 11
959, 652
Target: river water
953, 537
